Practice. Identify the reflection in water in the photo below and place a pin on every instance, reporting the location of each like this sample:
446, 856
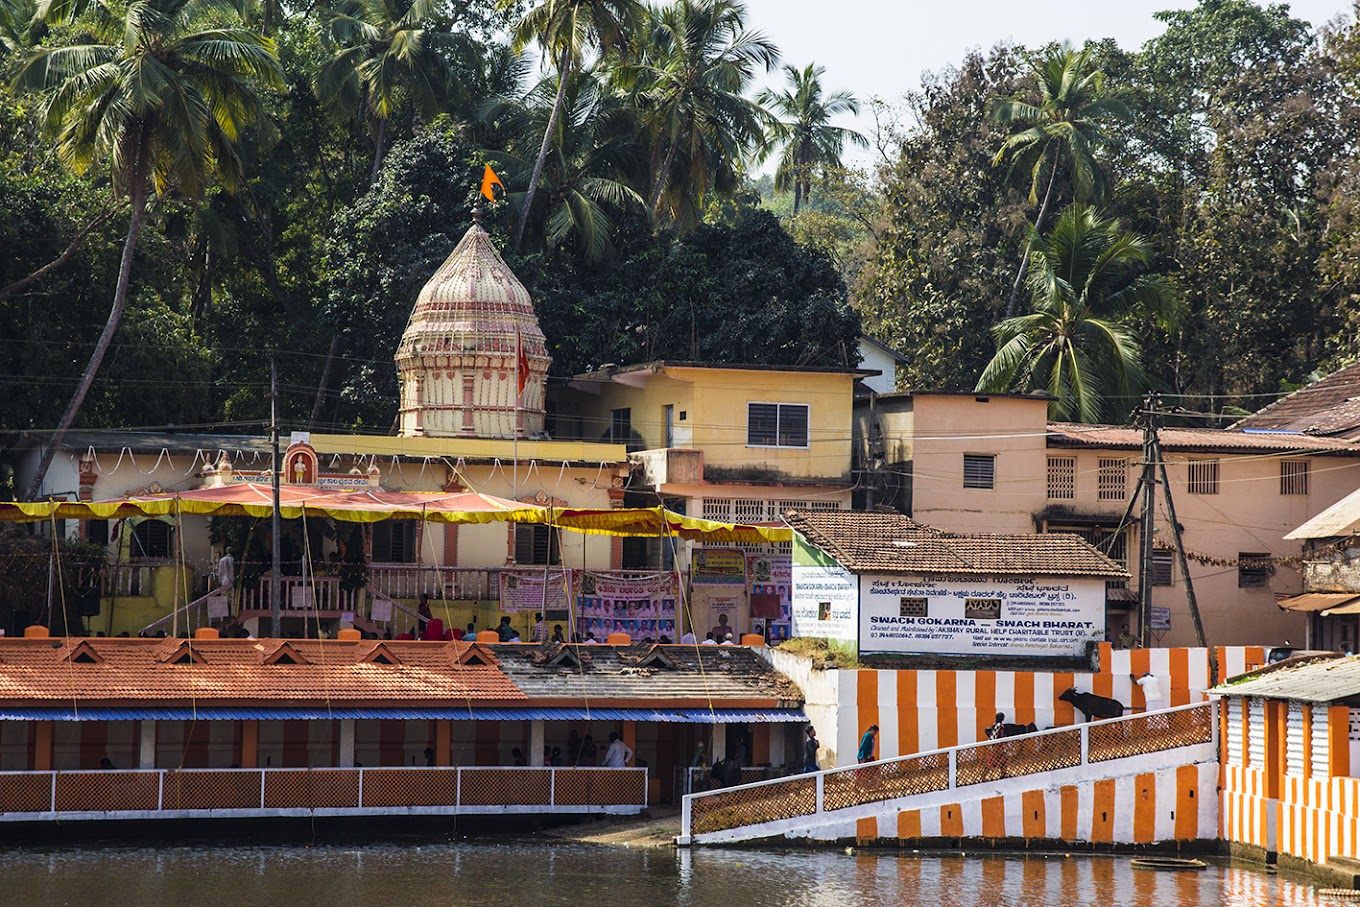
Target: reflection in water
536, 873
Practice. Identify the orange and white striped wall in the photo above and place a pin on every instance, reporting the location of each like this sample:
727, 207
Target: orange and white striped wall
1286, 778
1175, 803
921, 710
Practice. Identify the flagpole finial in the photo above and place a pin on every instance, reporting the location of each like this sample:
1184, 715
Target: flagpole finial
477, 215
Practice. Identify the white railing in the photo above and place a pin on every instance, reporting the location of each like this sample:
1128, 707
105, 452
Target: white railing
256, 792
807, 798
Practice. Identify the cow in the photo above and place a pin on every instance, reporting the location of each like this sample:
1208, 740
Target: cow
1015, 730
1093, 706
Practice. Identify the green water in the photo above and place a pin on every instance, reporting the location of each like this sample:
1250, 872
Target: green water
532, 873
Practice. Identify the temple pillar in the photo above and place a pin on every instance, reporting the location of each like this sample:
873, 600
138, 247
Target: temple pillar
346, 754
146, 744
249, 757
537, 734
42, 746
718, 749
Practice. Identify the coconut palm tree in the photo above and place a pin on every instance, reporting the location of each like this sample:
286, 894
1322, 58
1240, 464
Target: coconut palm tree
803, 114
691, 80
162, 96
567, 30
594, 157
1061, 133
1091, 292
384, 48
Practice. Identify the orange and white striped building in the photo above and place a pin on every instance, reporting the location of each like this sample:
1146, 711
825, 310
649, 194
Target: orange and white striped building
1289, 737
922, 710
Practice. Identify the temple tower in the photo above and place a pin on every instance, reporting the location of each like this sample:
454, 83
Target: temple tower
457, 358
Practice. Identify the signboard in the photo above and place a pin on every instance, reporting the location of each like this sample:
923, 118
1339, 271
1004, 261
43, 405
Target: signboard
719, 567
773, 575
981, 615
643, 608
825, 602
528, 591
1159, 618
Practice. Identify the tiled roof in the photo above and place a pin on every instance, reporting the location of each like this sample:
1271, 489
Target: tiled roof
680, 675
1073, 434
1307, 678
232, 671
893, 543
1330, 406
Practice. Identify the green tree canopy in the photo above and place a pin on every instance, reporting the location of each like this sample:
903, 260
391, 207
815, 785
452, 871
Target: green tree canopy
1091, 296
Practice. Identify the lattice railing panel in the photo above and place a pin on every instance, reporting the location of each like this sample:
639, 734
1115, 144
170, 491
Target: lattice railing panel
599, 787
311, 789
107, 791
1030, 754
211, 790
874, 783
25, 793
1150, 733
501, 786
754, 805
404, 787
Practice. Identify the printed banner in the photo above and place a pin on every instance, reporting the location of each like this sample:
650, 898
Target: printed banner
773, 575
825, 595
719, 567
644, 608
526, 592
981, 615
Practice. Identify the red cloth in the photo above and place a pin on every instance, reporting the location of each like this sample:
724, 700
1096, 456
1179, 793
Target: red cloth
434, 629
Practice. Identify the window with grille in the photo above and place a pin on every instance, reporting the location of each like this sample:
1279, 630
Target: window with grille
776, 425
153, 538
536, 544
621, 425
1112, 480
719, 509
1293, 477
1161, 568
979, 471
1203, 477
913, 607
1253, 569
982, 608
394, 542
1062, 478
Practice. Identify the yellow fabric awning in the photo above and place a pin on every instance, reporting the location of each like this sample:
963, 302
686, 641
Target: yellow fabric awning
370, 506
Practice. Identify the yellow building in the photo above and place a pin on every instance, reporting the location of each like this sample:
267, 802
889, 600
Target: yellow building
727, 442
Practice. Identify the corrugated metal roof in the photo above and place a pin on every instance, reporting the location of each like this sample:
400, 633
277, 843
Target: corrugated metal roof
1339, 519
577, 713
1317, 601
1313, 678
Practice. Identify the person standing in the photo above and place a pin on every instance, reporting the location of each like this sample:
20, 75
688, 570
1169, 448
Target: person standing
226, 571
1152, 691
810, 747
540, 633
618, 755
866, 745
505, 631
998, 728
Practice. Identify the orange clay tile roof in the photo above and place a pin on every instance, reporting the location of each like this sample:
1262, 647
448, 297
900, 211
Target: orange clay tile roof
1072, 434
893, 543
237, 671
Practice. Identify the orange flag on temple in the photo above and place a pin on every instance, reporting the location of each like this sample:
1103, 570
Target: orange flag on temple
489, 181
521, 363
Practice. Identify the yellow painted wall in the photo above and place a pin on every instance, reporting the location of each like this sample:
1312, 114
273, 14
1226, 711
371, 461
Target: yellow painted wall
714, 403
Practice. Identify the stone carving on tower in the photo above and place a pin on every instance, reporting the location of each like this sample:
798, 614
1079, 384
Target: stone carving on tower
458, 359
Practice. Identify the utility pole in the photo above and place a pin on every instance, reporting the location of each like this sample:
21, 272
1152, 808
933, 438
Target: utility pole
1184, 563
275, 579
1148, 488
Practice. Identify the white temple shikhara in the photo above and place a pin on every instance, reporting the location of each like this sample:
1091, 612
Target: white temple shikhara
456, 360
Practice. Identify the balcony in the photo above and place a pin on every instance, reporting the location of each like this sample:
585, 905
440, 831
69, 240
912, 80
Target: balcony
279, 792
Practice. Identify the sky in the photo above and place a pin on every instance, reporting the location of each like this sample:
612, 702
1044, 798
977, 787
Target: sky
881, 47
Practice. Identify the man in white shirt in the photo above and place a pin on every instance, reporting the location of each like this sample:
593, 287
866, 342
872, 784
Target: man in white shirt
618, 755
1152, 691
689, 638
226, 571
709, 640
